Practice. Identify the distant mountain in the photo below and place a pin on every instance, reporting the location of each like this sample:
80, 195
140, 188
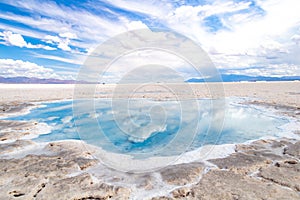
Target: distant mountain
239, 78
35, 80
225, 78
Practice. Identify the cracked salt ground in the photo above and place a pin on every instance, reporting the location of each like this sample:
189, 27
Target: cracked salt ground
71, 168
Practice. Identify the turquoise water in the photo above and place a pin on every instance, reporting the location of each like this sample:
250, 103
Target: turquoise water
147, 131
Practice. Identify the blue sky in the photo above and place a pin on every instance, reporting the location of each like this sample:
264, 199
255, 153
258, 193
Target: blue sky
51, 39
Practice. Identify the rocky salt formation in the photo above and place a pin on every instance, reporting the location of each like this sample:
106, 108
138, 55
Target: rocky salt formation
48, 176
7, 148
13, 108
265, 169
182, 174
15, 130
293, 150
286, 173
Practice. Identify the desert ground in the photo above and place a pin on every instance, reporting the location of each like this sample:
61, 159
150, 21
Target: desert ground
262, 169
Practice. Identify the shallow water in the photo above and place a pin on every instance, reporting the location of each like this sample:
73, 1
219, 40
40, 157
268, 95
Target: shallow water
150, 126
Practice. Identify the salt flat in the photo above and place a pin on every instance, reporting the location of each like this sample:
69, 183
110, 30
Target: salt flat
262, 169
279, 93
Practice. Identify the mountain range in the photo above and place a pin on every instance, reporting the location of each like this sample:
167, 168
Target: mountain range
33, 80
239, 78
225, 78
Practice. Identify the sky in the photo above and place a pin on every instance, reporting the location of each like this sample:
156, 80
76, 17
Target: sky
52, 39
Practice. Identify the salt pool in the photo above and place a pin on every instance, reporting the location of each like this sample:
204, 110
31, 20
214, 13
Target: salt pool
149, 125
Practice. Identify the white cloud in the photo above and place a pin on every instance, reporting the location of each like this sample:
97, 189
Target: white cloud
71, 23
152, 8
133, 25
77, 60
251, 35
198, 13
52, 39
250, 38
61, 42
22, 30
15, 39
19, 68
240, 36
272, 70
264, 36
296, 38
68, 35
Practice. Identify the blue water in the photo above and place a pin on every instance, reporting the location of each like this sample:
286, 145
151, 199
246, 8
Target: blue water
152, 125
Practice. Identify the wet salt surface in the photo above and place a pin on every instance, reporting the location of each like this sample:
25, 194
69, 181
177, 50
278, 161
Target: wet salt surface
149, 125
